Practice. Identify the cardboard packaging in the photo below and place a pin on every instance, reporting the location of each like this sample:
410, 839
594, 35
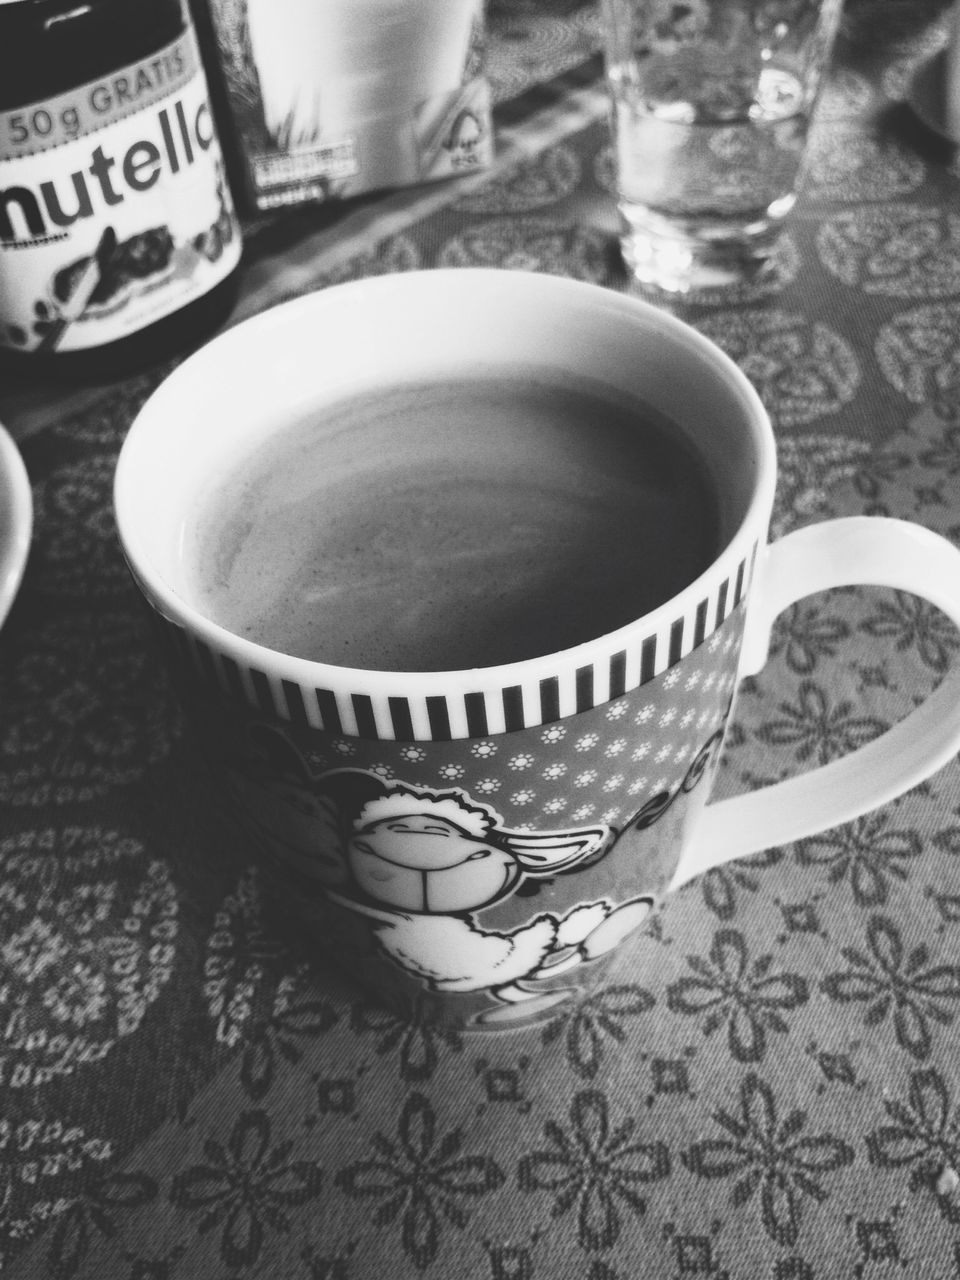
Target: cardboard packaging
331, 98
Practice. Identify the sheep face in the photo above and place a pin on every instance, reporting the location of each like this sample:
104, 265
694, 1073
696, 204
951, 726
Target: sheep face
424, 863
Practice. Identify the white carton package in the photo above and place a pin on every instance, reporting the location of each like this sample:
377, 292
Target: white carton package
331, 98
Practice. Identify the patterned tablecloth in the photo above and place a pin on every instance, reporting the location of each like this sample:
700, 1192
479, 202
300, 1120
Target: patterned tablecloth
768, 1088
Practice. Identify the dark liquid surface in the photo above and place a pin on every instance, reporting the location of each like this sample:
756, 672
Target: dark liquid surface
455, 524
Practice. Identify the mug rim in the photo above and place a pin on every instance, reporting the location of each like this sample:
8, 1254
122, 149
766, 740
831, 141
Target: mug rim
542, 688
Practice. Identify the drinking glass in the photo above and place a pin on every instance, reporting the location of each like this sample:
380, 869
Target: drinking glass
711, 107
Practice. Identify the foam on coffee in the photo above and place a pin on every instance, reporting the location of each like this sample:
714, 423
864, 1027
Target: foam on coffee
454, 524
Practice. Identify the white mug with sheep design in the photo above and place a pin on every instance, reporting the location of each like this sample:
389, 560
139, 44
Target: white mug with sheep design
474, 844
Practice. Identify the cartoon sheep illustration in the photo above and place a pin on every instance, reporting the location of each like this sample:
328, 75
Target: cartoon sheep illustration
426, 862
418, 864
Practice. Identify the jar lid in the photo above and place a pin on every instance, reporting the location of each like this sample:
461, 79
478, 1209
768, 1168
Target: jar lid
49, 47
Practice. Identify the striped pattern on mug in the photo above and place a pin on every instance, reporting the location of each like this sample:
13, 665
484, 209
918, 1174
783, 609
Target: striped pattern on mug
349, 710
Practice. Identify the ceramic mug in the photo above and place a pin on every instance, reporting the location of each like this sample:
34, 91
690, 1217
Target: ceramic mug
474, 844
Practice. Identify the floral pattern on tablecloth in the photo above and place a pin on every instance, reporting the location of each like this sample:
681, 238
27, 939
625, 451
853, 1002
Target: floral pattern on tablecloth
765, 1088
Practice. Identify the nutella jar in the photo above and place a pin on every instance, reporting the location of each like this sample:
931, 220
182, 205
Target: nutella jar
118, 239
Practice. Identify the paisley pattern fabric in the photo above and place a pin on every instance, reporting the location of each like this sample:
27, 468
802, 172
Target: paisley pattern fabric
765, 1085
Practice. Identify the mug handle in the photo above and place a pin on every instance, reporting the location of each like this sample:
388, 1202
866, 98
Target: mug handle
859, 550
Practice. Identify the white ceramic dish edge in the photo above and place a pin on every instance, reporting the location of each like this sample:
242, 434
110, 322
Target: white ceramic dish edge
16, 521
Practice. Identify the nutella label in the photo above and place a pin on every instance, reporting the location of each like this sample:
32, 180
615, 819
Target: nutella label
114, 205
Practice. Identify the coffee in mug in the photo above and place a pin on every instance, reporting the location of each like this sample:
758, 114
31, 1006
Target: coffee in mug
459, 523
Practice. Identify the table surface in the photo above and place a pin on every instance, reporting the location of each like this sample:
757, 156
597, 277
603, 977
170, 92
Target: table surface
767, 1087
